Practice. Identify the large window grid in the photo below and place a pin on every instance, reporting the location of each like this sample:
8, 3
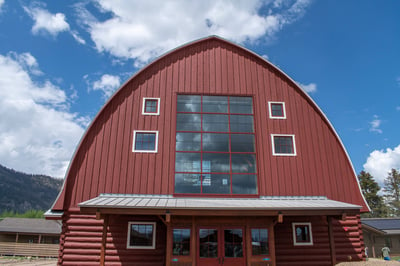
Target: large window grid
215, 145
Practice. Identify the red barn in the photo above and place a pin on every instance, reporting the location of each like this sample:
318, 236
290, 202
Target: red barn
210, 155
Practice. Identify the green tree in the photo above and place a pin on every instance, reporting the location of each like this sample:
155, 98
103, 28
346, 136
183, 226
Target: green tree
370, 188
27, 214
392, 191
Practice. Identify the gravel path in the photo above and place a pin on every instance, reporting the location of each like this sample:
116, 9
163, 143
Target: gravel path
53, 262
376, 262
27, 262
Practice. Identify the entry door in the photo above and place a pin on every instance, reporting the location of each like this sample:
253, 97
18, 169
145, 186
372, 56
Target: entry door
221, 246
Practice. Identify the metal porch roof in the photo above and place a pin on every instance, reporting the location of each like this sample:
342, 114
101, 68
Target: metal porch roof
123, 201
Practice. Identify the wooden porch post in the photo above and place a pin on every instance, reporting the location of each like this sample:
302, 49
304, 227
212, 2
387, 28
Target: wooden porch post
168, 248
193, 241
16, 238
271, 242
331, 241
104, 241
40, 238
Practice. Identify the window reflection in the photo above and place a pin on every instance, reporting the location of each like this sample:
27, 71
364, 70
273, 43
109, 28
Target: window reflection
187, 162
215, 123
215, 141
243, 143
242, 123
243, 163
215, 104
241, 105
188, 122
244, 184
188, 141
189, 103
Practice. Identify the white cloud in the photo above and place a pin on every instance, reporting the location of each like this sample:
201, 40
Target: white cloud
309, 88
380, 163
77, 37
47, 22
37, 133
53, 24
142, 30
1, 3
375, 124
107, 84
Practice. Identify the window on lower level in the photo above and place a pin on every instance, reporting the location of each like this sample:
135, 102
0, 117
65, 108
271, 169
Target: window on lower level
215, 145
141, 235
151, 106
145, 141
259, 241
277, 110
283, 145
302, 234
181, 242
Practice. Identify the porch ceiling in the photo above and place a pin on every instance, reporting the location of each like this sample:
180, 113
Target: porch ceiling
159, 204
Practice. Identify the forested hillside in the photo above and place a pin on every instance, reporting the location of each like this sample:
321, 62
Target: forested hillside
20, 192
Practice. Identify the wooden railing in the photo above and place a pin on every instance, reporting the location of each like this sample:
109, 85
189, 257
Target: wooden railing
26, 249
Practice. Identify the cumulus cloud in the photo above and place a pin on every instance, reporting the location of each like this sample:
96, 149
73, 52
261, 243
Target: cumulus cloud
47, 22
135, 31
309, 88
375, 125
37, 133
380, 163
107, 84
53, 24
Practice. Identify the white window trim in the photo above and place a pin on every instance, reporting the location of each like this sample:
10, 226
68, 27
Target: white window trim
145, 131
294, 235
283, 154
144, 105
153, 246
283, 109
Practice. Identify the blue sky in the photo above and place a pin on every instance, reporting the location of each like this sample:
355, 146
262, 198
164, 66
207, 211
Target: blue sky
61, 60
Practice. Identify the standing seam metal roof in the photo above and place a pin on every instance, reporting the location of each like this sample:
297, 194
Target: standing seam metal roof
262, 203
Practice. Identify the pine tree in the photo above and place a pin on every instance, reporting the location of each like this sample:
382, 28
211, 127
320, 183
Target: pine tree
370, 189
392, 191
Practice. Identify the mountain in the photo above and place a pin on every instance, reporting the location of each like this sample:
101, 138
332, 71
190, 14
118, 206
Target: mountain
20, 192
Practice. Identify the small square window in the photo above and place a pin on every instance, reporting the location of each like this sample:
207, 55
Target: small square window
141, 235
145, 141
283, 145
302, 235
277, 110
181, 242
259, 241
151, 106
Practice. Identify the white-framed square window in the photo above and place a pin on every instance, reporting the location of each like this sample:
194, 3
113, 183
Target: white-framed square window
302, 234
283, 145
141, 235
145, 141
151, 106
277, 110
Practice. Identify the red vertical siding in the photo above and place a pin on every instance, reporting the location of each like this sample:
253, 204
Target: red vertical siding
105, 163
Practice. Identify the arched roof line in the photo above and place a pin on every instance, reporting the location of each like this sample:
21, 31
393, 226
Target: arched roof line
170, 54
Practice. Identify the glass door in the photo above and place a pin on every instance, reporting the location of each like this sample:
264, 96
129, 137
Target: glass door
221, 246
